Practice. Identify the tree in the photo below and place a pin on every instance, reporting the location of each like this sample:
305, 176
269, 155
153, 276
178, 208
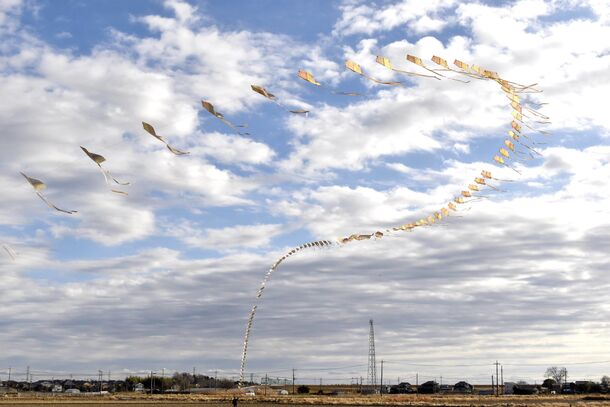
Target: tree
556, 373
549, 383
183, 380
605, 382
302, 389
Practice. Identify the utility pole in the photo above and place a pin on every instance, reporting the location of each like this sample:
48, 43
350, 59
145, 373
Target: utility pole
215, 379
293, 392
27, 378
497, 384
381, 380
266, 383
9, 374
417, 380
493, 386
162, 379
502, 378
151, 382
100, 373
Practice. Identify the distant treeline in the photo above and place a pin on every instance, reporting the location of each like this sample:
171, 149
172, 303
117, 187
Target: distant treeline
178, 382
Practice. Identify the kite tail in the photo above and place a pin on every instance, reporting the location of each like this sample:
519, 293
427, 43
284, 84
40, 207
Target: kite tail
495, 188
107, 175
51, 205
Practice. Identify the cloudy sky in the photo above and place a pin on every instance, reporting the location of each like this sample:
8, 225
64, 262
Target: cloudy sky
165, 277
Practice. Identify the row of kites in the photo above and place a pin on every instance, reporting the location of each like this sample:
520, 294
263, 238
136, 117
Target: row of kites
518, 146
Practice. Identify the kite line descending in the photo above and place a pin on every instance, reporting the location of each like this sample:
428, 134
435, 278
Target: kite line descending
516, 135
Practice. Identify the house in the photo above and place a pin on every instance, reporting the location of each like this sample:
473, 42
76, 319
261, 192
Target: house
508, 387
402, 388
463, 387
525, 389
429, 387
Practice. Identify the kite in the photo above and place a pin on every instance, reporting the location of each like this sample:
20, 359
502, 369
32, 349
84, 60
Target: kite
98, 159
417, 61
516, 137
386, 62
151, 130
262, 91
445, 67
481, 181
469, 194
210, 108
38, 186
352, 66
501, 161
307, 76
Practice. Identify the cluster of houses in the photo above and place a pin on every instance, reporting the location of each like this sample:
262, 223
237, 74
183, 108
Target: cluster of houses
173, 385
549, 386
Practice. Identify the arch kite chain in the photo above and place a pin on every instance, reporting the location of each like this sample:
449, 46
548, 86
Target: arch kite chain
523, 115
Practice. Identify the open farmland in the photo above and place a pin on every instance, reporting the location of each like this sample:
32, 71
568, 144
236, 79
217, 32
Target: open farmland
401, 400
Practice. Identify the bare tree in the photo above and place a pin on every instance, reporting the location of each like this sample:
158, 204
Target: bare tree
556, 373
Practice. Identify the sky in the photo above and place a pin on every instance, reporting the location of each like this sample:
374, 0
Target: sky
164, 278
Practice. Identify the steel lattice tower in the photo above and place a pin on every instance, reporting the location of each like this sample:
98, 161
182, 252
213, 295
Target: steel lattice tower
372, 369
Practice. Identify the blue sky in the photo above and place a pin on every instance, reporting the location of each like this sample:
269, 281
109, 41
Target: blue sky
197, 233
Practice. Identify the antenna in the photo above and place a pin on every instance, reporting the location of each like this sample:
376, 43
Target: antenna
372, 366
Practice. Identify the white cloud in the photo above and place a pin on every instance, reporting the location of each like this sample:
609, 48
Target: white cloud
229, 238
7, 9
233, 149
410, 15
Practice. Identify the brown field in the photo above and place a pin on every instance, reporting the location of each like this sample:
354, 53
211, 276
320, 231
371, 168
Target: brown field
132, 400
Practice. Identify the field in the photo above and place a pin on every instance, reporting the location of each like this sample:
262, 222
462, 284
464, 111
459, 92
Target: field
132, 400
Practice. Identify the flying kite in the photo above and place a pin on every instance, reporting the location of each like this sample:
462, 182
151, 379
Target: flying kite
417, 61
210, 108
445, 67
38, 186
151, 130
262, 91
352, 66
386, 62
98, 159
308, 77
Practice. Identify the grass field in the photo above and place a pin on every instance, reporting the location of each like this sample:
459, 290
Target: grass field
132, 400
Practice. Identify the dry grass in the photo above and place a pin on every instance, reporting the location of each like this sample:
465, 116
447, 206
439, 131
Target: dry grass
224, 400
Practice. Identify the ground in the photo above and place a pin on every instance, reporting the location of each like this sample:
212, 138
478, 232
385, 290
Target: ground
129, 399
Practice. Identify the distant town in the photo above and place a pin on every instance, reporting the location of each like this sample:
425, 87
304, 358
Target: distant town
188, 383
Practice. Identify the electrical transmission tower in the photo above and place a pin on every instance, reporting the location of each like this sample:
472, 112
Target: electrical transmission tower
372, 369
